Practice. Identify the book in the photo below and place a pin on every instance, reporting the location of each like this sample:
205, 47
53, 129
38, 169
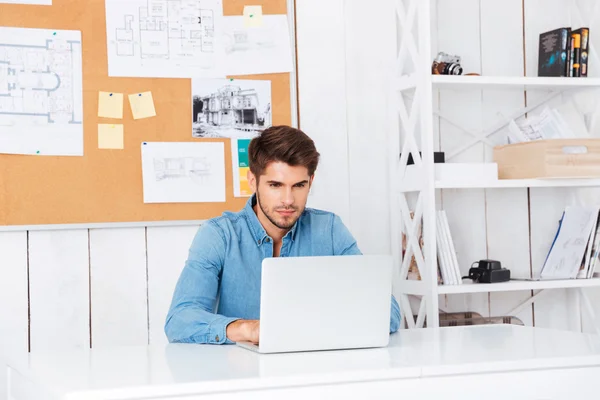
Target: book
554, 53
584, 33
571, 250
447, 260
576, 55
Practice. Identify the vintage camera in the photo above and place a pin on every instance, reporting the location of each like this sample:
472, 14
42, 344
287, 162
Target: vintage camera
489, 271
445, 64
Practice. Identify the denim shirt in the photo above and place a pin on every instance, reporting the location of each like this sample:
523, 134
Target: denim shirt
224, 268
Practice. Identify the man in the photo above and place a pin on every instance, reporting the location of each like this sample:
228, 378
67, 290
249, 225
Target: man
225, 257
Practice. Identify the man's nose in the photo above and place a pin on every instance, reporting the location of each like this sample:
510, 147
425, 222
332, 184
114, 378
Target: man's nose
288, 197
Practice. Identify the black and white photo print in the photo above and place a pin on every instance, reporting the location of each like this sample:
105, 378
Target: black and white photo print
230, 108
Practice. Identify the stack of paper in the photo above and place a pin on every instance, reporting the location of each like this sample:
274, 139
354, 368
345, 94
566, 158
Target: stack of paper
550, 124
575, 250
447, 260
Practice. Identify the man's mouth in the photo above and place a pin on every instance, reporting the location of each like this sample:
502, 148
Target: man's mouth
286, 213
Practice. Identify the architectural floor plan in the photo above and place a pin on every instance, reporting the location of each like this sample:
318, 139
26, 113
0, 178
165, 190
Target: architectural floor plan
41, 109
163, 38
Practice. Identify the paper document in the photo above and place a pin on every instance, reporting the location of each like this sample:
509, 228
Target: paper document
253, 16
110, 105
568, 250
257, 50
550, 124
142, 105
240, 167
158, 38
110, 136
38, 2
41, 107
183, 172
230, 108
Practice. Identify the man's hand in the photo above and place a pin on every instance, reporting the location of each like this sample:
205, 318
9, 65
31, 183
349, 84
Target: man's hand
243, 330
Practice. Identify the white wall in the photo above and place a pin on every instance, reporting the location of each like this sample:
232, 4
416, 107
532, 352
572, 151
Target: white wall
113, 286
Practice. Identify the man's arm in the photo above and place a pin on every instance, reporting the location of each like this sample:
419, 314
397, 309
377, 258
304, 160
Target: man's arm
191, 318
345, 244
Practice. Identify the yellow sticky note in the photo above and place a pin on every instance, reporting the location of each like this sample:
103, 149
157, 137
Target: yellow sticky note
253, 17
110, 105
142, 105
110, 136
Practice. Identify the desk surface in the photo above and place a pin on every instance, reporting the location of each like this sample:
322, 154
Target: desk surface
177, 369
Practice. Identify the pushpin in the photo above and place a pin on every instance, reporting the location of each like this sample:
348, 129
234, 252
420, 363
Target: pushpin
110, 94
140, 94
37, 152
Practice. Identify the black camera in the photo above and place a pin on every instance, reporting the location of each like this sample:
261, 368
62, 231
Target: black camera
489, 271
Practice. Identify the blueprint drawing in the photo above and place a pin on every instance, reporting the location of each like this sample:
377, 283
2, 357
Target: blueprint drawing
164, 38
41, 107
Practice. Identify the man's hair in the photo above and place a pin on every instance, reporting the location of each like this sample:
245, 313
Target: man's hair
284, 144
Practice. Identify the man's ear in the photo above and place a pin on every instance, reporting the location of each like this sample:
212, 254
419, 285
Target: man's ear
251, 181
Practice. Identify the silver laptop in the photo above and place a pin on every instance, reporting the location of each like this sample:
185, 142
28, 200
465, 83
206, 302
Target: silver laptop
324, 303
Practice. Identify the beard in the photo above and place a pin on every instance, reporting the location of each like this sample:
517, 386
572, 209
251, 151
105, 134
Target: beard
282, 222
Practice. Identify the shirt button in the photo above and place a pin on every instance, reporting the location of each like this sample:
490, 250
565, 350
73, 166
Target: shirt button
217, 338
268, 240
259, 242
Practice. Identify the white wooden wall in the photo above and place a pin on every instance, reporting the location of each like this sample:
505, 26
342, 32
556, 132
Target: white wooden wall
89, 287
113, 286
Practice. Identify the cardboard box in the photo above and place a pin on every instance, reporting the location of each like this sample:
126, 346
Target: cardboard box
553, 158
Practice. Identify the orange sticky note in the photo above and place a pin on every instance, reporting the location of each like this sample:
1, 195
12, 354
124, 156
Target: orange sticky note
142, 105
110, 136
110, 105
253, 16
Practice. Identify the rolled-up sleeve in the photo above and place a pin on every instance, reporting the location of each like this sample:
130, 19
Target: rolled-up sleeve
191, 317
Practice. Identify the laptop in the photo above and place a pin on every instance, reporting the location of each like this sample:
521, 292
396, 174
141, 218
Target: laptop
324, 303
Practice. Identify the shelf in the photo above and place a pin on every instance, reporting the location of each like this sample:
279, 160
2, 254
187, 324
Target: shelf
419, 288
517, 285
508, 82
451, 179
518, 183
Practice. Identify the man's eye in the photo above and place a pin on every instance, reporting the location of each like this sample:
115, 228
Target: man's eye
274, 185
301, 185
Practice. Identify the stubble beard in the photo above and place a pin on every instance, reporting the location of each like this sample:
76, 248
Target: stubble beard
271, 218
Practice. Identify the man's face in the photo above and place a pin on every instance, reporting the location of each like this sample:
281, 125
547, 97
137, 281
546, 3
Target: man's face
281, 193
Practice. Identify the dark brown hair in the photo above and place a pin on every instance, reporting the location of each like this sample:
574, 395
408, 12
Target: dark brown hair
284, 144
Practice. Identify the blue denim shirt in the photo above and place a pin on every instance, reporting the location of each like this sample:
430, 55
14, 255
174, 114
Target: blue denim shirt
224, 263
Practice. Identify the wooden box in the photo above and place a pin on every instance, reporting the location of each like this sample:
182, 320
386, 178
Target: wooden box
553, 158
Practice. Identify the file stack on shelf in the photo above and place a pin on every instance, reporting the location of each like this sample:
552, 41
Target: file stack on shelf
413, 269
448, 272
575, 251
447, 261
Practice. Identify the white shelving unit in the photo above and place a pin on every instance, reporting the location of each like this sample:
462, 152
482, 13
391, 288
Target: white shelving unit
414, 117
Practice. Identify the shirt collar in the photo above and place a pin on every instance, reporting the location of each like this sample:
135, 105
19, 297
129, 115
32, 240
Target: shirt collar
256, 227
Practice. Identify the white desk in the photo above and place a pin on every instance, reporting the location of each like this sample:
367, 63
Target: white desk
483, 362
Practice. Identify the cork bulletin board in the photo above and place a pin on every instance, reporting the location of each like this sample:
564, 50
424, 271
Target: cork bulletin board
105, 186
